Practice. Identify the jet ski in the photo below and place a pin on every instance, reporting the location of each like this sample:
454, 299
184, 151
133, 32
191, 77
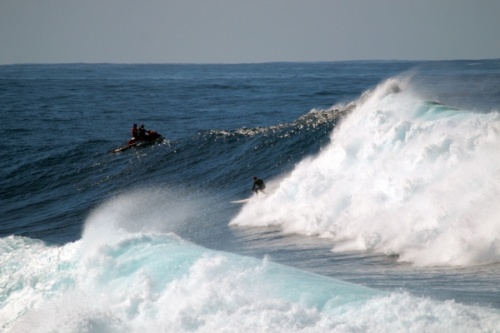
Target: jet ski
151, 137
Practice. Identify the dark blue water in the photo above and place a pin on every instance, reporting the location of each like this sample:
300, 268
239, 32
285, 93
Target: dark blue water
61, 121
353, 153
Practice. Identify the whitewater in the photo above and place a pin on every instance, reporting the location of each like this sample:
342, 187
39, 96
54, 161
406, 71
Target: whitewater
379, 215
403, 176
121, 278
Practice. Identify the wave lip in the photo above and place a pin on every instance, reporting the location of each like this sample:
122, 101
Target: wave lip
401, 176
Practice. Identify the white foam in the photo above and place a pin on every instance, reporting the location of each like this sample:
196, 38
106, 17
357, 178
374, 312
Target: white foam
158, 284
122, 278
401, 176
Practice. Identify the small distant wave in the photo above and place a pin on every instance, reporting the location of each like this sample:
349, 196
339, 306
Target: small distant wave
311, 120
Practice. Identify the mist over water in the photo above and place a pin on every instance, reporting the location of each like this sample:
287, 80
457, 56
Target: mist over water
402, 176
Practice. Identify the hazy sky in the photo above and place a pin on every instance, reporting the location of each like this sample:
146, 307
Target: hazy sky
241, 31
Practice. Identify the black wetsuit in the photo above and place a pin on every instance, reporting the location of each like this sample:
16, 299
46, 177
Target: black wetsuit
258, 185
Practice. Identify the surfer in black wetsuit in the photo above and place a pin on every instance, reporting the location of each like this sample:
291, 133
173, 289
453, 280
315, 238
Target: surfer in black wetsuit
258, 185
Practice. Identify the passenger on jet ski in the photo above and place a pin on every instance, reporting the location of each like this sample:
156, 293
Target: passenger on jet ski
142, 132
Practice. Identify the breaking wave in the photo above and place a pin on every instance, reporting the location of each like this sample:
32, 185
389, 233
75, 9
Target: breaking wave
122, 276
402, 176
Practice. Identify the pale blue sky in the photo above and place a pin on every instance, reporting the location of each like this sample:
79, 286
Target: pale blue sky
241, 31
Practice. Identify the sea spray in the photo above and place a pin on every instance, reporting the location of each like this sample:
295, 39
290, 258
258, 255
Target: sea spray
402, 176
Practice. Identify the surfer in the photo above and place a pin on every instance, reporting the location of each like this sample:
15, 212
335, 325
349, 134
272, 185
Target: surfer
258, 185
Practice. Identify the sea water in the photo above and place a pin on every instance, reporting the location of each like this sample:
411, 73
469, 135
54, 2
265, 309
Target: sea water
380, 212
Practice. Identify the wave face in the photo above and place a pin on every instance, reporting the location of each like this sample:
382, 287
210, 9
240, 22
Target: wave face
402, 176
123, 278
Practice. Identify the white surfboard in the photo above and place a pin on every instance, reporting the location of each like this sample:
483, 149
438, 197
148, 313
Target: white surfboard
240, 201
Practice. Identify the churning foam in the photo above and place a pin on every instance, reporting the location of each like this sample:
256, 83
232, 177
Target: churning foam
123, 279
401, 176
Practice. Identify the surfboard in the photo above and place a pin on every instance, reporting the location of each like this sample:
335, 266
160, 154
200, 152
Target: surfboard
240, 201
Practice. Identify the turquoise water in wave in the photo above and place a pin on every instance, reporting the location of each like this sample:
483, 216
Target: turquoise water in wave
380, 213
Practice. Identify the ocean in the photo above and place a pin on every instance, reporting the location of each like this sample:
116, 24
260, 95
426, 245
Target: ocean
380, 212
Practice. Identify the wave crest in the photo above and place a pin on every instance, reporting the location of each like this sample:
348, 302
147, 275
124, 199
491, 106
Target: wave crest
401, 176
